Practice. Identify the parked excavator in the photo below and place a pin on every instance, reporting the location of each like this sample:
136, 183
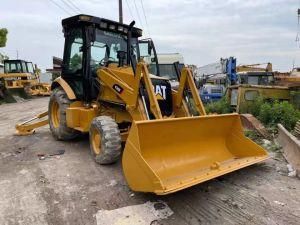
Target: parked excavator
107, 91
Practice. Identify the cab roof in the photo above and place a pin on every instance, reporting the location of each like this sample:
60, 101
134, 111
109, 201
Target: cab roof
13, 61
103, 24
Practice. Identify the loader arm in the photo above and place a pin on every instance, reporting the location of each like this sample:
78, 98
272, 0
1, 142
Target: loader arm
154, 107
129, 92
186, 81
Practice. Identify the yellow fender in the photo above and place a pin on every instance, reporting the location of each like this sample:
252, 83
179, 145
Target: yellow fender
61, 82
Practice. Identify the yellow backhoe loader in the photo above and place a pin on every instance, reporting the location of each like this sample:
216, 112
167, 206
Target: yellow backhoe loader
105, 89
20, 78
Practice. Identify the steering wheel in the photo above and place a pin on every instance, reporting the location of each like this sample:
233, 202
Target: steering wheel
104, 61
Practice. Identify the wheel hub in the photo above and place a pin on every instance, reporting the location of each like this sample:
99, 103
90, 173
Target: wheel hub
96, 141
55, 115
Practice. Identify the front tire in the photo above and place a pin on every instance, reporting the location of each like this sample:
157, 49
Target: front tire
105, 140
58, 105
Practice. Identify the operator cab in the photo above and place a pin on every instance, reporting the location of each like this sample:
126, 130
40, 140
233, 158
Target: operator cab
15, 66
21, 67
256, 78
29, 68
92, 43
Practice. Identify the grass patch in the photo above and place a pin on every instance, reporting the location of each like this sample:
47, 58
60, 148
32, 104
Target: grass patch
269, 112
272, 113
253, 135
221, 107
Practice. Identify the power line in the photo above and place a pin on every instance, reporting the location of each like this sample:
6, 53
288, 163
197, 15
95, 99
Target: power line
129, 10
138, 14
63, 9
74, 5
69, 6
298, 26
145, 17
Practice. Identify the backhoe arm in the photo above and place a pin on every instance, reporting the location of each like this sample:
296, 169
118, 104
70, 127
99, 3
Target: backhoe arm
27, 127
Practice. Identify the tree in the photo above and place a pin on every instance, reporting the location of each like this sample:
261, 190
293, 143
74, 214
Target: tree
3, 37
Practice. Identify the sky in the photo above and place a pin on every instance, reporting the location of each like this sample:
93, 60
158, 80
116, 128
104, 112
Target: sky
203, 31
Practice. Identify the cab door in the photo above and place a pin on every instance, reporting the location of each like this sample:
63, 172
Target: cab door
72, 68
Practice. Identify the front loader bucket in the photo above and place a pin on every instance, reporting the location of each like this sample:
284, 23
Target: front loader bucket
164, 156
12, 95
5, 96
18, 93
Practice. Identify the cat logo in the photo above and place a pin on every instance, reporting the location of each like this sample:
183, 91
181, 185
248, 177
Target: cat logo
160, 92
118, 88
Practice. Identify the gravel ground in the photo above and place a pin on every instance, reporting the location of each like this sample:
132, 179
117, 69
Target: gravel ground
71, 188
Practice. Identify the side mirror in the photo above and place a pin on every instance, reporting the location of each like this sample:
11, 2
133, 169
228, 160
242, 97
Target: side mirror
145, 49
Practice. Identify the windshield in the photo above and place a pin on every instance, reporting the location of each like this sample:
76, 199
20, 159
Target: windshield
13, 67
30, 67
256, 79
252, 80
260, 80
107, 45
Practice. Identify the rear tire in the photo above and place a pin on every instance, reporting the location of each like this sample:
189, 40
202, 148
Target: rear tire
58, 105
105, 140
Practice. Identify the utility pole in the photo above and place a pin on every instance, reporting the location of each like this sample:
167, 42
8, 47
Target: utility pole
120, 11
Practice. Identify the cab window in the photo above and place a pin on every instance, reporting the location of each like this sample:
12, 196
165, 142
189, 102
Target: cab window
73, 57
24, 67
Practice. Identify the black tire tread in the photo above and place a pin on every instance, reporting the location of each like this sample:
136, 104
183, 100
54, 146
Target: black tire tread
63, 132
110, 140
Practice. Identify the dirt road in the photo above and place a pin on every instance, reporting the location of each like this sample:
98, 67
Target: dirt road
71, 188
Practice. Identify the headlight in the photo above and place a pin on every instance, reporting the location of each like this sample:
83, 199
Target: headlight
85, 18
112, 26
120, 28
103, 25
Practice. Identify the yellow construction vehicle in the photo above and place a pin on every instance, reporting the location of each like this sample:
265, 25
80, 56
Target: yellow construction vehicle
20, 78
37, 88
105, 89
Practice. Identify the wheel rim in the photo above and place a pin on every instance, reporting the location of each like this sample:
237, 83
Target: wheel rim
55, 115
96, 141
